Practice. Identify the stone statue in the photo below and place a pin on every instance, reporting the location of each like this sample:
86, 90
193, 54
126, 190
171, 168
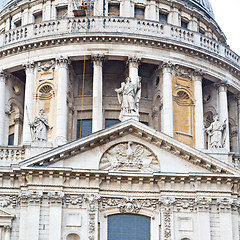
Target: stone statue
128, 96
40, 126
216, 133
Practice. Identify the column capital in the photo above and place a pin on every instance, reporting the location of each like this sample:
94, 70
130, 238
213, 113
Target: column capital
222, 86
3, 76
98, 59
29, 67
167, 66
198, 74
135, 61
7, 228
63, 61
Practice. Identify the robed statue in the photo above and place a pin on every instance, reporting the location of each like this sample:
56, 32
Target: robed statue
129, 95
40, 126
216, 133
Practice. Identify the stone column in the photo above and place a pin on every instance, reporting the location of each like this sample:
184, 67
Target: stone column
199, 122
98, 8
167, 111
133, 63
17, 130
28, 103
55, 215
7, 232
3, 77
152, 11
175, 16
223, 110
127, 11
62, 109
238, 107
97, 109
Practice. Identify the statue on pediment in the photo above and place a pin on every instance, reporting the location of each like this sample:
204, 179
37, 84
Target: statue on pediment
40, 126
129, 156
216, 133
129, 95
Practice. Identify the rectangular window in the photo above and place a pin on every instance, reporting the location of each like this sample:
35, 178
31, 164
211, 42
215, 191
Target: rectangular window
84, 128
11, 139
184, 24
18, 23
111, 122
163, 17
139, 12
62, 12
38, 17
113, 9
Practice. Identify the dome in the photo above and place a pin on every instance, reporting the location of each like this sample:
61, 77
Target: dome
202, 4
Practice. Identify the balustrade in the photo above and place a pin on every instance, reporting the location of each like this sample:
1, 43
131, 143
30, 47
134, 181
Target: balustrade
12, 154
117, 25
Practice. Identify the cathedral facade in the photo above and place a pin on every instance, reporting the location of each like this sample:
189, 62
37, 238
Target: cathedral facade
119, 120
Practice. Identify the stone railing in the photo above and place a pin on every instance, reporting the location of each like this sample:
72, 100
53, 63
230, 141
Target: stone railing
236, 161
11, 154
116, 25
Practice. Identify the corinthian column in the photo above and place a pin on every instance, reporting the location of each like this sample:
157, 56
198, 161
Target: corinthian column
7, 234
167, 111
223, 111
134, 63
3, 77
61, 130
97, 110
28, 102
238, 107
199, 126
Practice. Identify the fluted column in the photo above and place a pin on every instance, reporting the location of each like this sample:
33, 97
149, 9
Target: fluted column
199, 126
61, 130
167, 111
3, 77
223, 110
28, 102
133, 63
97, 110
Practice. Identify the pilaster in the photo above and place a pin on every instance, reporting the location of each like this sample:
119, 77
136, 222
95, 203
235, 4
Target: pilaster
97, 110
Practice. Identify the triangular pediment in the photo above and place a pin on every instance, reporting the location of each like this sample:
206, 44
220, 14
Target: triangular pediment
130, 146
5, 214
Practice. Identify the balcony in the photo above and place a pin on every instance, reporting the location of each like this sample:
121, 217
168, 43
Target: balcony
11, 154
117, 26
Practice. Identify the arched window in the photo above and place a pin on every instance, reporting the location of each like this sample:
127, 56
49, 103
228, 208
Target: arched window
128, 227
72, 236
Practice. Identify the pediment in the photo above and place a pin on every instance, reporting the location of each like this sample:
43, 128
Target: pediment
130, 146
5, 214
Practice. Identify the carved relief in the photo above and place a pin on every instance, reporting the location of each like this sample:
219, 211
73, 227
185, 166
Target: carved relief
46, 66
129, 156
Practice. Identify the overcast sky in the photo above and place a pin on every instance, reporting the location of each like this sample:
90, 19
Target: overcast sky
227, 15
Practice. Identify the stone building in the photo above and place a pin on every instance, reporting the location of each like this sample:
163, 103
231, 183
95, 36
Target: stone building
70, 169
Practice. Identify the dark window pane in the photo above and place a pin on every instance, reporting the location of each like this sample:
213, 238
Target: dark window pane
146, 123
113, 9
139, 12
62, 12
86, 128
11, 139
163, 17
111, 122
38, 17
128, 227
184, 24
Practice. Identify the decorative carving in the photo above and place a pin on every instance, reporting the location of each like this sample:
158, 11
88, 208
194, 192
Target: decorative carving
135, 61
129, 156
46, 66
55, 197
31, 197
6, 201
3, 76
224, 204
98, 59
74, 200
40, 127
63, 62
217, 133
92, 208
167, 225
183, 72
29, 67
203, 203
129, 95
167, 65
185, 204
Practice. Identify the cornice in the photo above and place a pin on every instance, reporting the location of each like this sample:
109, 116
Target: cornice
153, 42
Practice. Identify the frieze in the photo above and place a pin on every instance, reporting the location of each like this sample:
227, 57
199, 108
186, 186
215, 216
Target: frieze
55, 197
46, 66
74, 200
129, 156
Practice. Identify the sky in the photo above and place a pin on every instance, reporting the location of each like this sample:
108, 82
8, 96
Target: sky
227, 15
